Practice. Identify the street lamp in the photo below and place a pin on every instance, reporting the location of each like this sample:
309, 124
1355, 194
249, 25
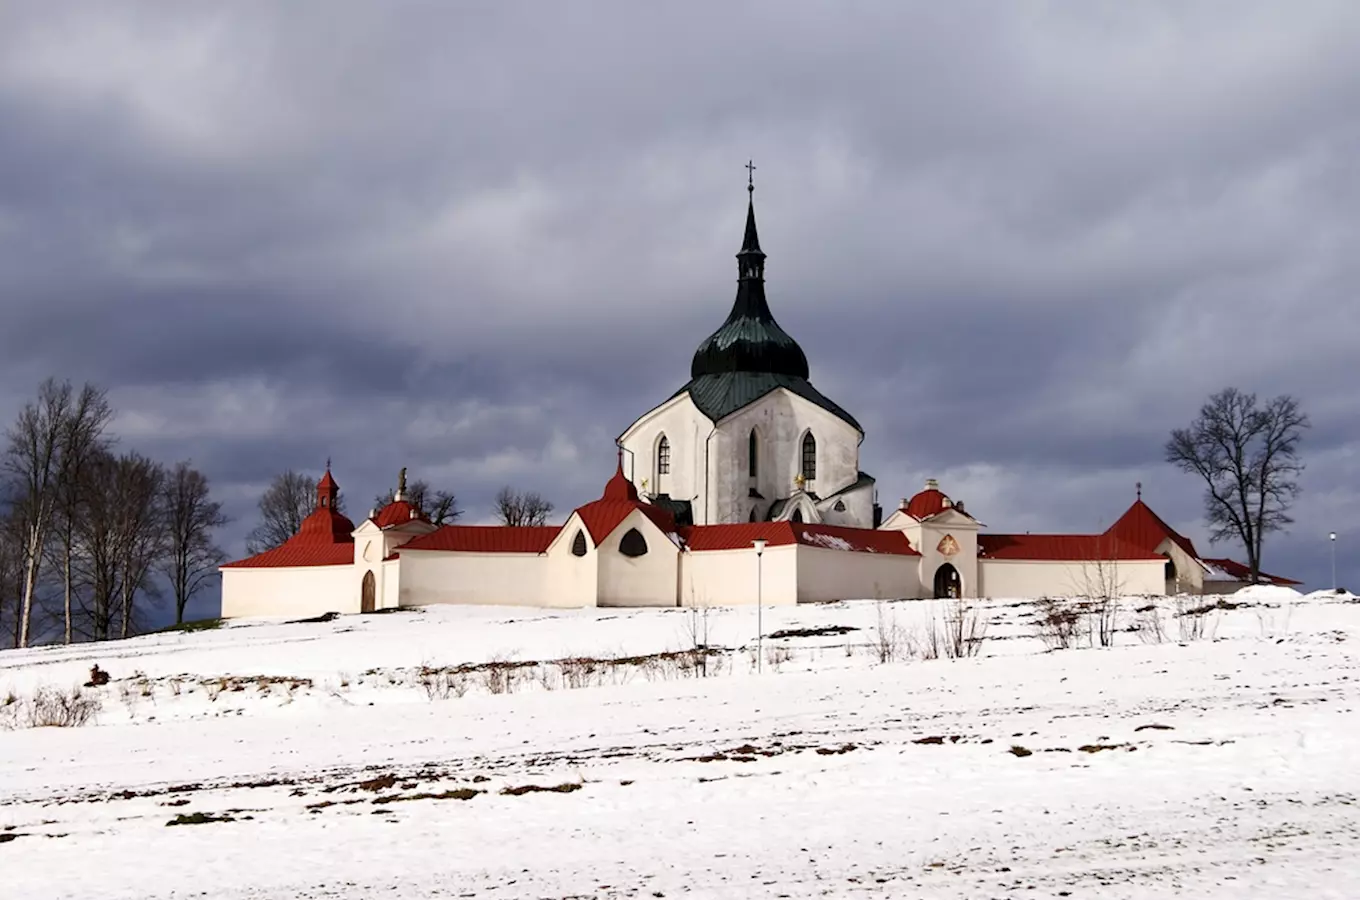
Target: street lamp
759, 544
1332, 537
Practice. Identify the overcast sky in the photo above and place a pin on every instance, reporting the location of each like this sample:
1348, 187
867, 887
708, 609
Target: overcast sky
1020, 242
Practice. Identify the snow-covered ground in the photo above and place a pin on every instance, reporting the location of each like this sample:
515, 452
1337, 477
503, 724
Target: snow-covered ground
373, 756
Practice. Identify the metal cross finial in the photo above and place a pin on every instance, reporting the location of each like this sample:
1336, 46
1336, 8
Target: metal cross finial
328, 464
1138, 486
750, 175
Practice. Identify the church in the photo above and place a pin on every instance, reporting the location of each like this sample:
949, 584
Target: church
744, 486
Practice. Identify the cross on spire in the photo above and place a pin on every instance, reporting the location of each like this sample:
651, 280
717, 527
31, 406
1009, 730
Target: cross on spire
750, 176
1138, 486
328, 464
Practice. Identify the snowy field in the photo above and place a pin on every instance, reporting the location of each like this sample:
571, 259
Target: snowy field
476, 752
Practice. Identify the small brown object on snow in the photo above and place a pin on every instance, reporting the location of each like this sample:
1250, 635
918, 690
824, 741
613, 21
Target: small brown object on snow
98, 676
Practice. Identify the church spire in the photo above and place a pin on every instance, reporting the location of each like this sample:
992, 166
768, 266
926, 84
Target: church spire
751, 260
750, 340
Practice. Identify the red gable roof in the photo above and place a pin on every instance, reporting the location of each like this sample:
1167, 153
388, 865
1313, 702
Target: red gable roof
398, 512
1243, 573
701, 538
620, 498
484, 539
1142, 527
1059, 547
324, 538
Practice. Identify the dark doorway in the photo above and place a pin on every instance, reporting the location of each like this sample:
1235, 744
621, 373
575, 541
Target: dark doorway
368, 595
948, 584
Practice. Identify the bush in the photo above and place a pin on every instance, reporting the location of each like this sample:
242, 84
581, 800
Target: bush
50, 708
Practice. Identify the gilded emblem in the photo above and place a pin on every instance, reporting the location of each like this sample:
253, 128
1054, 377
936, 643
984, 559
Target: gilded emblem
948, 546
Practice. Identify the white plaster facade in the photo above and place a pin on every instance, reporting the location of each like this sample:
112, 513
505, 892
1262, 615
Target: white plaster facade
708, 463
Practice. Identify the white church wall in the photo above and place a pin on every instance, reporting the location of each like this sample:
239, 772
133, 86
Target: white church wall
825, 575
389, 585
1044, 578
296, 592
648, 580
858, 511
572, 581
687, 430
781, 419
729, 577
500, 579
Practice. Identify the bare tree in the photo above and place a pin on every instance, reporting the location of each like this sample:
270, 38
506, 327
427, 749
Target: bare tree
518, 508
11, 575
1247, 456
289, 499
82, 436
190, 517
440, 507
1101, 583
33, 462
121, 538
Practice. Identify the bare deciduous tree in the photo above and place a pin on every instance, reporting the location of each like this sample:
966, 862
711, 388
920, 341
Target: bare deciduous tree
519, 508
82, 436
440, 507
288, 500
142, 539
33, 462
192, 557
1247, 456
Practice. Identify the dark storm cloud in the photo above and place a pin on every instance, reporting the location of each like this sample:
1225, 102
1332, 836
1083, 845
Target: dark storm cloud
1020, 242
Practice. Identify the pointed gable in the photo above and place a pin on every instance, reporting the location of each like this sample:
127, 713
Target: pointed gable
1142, 527
620, 498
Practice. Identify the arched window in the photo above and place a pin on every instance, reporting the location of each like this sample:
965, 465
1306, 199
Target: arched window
578, 545
1170, 569
663, 456
809, 456
751, 454
633, 543
797, 516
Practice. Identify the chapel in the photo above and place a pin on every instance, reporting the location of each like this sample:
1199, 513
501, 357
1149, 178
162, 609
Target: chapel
742, 487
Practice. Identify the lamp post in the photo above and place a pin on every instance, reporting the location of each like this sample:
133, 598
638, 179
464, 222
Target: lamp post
1332, 538
759, 544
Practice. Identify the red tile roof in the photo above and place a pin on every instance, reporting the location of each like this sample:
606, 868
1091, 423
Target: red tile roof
701, 538
398, 512
298, 554
1142, 527
1059, 547
930, 502
620, 498
323, 539
1243, 573
484, 539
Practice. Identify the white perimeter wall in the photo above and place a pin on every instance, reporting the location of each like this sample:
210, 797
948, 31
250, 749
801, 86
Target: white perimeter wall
296, 592
501, 579
825, 575
647, 580
1029, 578
728, 577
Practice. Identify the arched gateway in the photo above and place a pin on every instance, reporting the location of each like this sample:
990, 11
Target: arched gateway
948, 584
368, 593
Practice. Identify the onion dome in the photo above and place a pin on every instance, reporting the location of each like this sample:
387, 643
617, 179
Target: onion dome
750, 340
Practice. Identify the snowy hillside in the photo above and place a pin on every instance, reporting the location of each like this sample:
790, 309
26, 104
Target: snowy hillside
461, 752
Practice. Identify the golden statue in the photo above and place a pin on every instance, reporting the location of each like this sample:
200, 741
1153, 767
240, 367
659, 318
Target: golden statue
799, 481
401, 483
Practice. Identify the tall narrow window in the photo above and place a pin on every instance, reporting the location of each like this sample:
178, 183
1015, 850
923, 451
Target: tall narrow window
751, 454
663, 456
809, 456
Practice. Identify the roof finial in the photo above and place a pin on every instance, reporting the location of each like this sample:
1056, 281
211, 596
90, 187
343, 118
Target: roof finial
328, 463
750, 176
1138, 486
401, 485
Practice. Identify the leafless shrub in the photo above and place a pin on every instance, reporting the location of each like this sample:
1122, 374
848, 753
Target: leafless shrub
776, 656
548, 676
53, 708
889, 638
697, 640
965, 629
499, 675
1194, 620
1102, 617
1057, 622
1149, 625
215, 688
579, 672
